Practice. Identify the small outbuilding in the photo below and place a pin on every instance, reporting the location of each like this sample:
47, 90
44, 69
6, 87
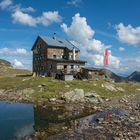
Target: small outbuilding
93, 73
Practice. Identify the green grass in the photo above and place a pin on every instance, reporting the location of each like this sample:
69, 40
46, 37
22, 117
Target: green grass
54, 87
5, 63
10, 72
6, 70
8, 80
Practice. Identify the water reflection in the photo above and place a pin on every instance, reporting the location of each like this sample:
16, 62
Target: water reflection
20, 120
105, 116
15, 118
54, 119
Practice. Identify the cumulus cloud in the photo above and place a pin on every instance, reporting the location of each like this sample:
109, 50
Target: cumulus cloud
85, 33
46, 19
74, 2
24, 131
22, 16
49, 17
28, 9
92, 49
114, 62
121, 49
18, 51
128, 34
5, 3
130, 64
21, 51
17, 64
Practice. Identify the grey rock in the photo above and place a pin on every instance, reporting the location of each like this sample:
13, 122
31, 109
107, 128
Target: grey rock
92, 100
116, 138
120, 89
74, 95
93, 97
91, 94
67, 86
2, 91
52, 99
110, 87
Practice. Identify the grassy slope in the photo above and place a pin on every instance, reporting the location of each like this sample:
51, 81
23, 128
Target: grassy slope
6, 70
4, 63
10, 72
53, 87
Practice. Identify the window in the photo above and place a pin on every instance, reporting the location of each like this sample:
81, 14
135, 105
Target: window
65, 66
64, 56
42, 68
39, 46
54, 56
72, 66
70, 56
51, 66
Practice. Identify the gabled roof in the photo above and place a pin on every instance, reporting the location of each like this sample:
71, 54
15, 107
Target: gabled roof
58, 42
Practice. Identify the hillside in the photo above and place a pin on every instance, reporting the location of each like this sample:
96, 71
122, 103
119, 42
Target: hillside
4, 63
6, 69
135, 76
114, 76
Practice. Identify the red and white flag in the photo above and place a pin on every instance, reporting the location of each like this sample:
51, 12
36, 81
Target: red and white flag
106, 57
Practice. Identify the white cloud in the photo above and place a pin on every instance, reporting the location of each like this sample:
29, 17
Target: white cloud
23, 18
28, 9
24, 131
18, 51
114, 62
85, 31
121, 49
5, 3
128, 34
130, 64
46, 19
21, 51
49, 17
74, 2
92, 49
17, 64
21, 15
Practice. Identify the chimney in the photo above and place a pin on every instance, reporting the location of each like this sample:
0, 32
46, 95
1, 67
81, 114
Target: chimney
73, 53
54, 36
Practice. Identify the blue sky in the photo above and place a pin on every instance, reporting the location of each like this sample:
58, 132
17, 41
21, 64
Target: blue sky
92, 25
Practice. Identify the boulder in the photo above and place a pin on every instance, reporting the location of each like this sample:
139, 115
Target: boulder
138, 89
52, 99
93, 97
110, 87
120, 89
67, 86
2, 91
91, 94
78, 95
74, 95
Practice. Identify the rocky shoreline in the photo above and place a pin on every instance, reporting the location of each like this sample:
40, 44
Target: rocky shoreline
118, 127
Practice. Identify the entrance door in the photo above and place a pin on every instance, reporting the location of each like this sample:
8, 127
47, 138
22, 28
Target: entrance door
65, 68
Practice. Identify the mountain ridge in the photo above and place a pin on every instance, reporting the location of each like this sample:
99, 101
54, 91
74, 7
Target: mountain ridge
7, 69
135, 76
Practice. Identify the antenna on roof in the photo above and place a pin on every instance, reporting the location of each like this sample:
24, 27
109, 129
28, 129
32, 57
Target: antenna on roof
54, 35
